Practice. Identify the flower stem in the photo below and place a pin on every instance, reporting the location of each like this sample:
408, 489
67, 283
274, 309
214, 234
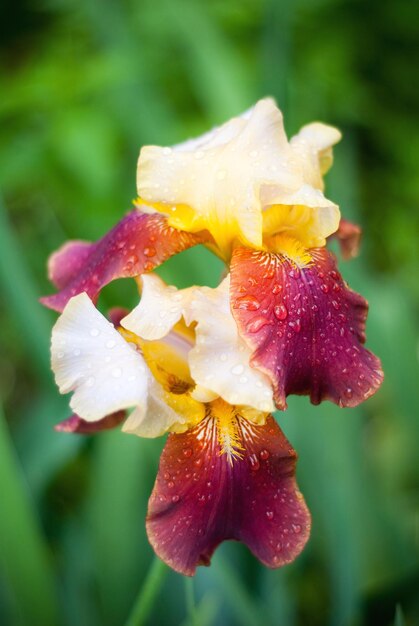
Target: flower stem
147, 594
190, 602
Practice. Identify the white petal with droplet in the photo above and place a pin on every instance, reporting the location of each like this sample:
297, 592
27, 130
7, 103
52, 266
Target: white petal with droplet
160, 308
219, 361
102, 370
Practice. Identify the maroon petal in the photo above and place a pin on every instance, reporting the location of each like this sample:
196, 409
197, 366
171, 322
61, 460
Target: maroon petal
201, 499
137, 244
305, 327
76, 424
116, 314
349, 236
67, 262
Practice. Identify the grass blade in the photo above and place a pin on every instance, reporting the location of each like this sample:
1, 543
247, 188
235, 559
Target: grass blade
23, 554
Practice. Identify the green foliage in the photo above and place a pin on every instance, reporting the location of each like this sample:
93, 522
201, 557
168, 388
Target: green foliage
84, 85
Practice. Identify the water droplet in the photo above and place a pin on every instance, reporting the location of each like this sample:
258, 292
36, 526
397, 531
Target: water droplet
148, 266
94, 332
255, 325
270, 515
248, 303
276, 289
170, 484
335, 305
324, 288
175, 499
254, 462
187, 452
237, 369
295, 325
149, 251
111, 343
264, 454
348, 392
296, 528
280, 311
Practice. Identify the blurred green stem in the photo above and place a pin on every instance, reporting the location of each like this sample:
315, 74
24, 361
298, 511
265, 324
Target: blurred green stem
147, 593
23, 554
190, 602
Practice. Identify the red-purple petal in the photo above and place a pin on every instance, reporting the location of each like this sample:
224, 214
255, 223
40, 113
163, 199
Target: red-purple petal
76, 424
200, 499
349, 237
116, 314
137, 244
68, 261
305, 327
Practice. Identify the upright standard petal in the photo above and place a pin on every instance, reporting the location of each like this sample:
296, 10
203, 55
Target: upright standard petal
201, 497
137, 244
307, 329
90, 358
225, 179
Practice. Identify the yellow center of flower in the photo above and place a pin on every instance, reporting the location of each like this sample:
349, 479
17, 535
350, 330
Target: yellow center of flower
228, 429
291, 249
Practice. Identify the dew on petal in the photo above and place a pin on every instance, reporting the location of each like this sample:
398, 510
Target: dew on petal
280, 311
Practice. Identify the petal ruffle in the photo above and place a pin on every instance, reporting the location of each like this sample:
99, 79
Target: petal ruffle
305, 327
76, 424
137, 244
201, 499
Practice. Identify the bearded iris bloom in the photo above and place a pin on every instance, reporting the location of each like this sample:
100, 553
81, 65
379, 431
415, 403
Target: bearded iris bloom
227, 471
283, 321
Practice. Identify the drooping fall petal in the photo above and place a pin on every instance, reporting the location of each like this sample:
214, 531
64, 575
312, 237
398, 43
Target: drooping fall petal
76, 424
305, 327
201, 498
137, 244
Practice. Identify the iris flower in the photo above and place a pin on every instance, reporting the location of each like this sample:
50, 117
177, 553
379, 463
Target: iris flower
210, 365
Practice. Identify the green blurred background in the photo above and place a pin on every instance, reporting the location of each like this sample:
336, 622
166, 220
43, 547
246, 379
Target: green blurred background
83, 84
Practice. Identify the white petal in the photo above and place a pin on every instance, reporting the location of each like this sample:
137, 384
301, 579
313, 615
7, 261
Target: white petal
91, 358
220, 360
223, 180
315, 141
219, 174
156, 418
160, 308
